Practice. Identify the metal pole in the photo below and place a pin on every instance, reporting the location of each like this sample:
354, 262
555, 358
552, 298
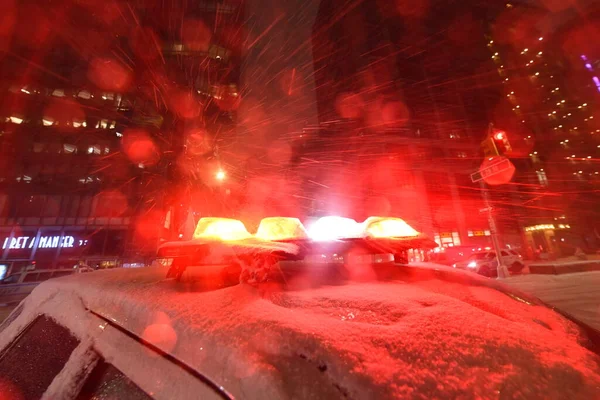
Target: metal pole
501, 269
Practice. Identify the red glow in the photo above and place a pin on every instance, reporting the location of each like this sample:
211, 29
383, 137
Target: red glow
196, 35
64, 111
145, 43
160, 333
111, 203
499, 135
109, 74
139, 147
349, 105
8, 17
185, 104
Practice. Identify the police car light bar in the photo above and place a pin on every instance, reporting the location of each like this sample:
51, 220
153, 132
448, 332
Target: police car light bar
225, 229
281, 228
333, 227
387, 227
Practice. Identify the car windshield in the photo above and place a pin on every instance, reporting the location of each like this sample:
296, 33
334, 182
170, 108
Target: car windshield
236, 147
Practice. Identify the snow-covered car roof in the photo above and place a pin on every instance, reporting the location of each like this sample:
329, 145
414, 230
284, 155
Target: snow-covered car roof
414, 336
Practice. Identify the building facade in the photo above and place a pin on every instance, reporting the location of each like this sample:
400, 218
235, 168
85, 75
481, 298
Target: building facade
548, 69
104, 118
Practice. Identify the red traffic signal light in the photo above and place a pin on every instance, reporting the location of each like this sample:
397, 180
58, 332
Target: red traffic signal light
501, 142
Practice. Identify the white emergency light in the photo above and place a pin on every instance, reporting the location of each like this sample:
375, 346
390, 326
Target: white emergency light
333, 227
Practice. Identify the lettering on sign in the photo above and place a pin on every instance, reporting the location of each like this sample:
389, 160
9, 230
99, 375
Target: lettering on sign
45, 242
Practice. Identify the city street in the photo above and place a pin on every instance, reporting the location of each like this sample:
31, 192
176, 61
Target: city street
576, 294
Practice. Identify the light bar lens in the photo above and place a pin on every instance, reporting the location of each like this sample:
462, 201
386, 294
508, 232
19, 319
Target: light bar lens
221, 229
382, 227
331, 228
281, 228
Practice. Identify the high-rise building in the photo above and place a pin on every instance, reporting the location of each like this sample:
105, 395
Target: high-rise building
110, 121
548, 67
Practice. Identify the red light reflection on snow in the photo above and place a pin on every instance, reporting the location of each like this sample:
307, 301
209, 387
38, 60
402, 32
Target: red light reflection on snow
109, 74
139, 147
160, 333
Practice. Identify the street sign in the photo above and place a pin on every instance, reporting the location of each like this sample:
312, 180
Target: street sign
491, 170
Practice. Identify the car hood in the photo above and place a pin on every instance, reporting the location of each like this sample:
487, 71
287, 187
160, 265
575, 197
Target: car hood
415, 335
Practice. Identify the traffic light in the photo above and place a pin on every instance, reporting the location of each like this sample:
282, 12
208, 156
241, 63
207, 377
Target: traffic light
489, 147
501, 142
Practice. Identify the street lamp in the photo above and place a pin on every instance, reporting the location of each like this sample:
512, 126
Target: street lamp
220, 175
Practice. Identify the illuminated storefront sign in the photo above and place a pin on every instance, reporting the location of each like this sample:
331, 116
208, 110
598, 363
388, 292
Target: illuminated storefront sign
43, 242
546, 227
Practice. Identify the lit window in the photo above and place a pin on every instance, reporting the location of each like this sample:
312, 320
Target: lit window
58, 93
77, 124
119, 134
487, 233
84, 94
47, 121
470, 233
16, 120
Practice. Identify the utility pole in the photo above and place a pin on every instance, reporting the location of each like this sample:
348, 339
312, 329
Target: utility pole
500, 268
491, 149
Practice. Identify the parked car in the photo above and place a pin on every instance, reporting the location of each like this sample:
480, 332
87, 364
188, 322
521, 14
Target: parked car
17, 286
485, 262
134, 334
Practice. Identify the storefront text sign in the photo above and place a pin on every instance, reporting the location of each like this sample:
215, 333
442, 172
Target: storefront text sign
45, 242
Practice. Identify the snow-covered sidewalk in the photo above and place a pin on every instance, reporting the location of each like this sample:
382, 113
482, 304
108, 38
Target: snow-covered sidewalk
577, 294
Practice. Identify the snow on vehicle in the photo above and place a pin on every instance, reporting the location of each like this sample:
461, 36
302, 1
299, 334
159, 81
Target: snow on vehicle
429, 332
226, 243
17, 286
334, 239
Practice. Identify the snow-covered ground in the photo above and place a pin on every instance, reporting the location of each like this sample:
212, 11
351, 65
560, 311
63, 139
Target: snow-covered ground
576, 294
373, 340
